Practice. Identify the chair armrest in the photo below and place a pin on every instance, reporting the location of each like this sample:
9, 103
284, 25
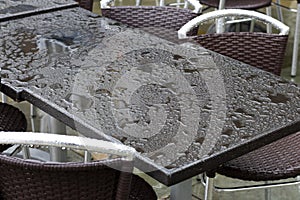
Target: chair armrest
67, 141
182, 32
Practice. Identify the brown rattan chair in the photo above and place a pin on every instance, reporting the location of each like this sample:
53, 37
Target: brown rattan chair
277, 161
162, 21
106, 179
280, 159
11, 119
262, 50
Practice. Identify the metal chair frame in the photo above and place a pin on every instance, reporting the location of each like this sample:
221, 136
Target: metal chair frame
208, 183
182, 33
67, 141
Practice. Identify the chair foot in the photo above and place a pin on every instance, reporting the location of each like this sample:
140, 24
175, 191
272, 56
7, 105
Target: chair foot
209, 188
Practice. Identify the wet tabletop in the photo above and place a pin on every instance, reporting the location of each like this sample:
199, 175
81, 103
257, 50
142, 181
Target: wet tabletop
182, 107
10, 8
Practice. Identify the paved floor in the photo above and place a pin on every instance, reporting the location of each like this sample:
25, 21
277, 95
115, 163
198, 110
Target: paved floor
282, 193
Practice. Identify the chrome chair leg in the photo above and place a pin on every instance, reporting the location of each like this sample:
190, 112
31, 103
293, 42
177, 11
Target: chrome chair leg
279, 11
26, 152
57, 154
220, 24
207, 182
252, 25
161, 2
182, 190
138, 2
267, 192
87, 156
269, 13
33, 117
296, 43
3, 98
209, 187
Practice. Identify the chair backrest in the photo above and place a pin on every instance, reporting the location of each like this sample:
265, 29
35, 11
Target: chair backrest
262, 50
86, 4
162, 21
32, 179
194, 3
11, 119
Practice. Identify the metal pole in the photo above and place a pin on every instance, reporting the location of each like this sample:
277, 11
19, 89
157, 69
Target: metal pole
182, 190
279, 11
296, 43
269, 13
220, 25
209, 188
57, 154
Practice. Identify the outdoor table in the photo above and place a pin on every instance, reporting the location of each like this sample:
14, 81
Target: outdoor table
186, 110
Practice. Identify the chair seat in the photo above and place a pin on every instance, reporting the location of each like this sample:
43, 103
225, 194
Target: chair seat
239, 4
278, 160
11, 119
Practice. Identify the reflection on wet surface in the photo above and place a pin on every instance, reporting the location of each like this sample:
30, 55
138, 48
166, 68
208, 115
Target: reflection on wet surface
176, 104
9, 7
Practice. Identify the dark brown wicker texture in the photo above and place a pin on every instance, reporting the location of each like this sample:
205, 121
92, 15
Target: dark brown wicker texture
86, 4
11, 119
34, 180
240, 4
278, 160
162, 21
262, 50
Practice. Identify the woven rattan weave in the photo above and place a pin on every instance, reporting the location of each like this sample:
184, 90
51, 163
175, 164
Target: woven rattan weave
162, 21
29, 180
262, 50
278, 160
86, 4
11, 119
241, 4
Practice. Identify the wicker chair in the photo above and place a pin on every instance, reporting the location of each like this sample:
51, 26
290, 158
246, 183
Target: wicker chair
262, 50
276, 161
11, 119
103, 179
280, 159
162, 21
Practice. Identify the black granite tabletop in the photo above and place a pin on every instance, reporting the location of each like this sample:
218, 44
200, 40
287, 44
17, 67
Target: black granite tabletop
184, 108
13, 8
